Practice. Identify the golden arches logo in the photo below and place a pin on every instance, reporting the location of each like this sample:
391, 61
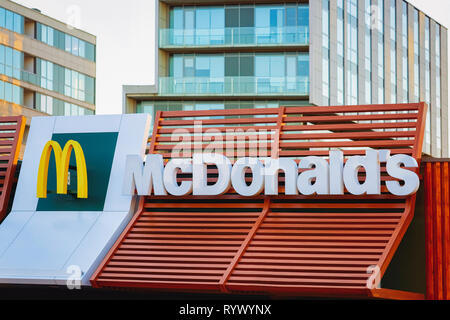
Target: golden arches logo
62, 159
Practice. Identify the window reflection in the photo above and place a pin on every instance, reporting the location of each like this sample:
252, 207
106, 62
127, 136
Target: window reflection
241, 24
237, 73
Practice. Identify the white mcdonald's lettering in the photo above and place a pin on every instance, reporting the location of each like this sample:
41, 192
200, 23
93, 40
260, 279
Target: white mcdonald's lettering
318, 176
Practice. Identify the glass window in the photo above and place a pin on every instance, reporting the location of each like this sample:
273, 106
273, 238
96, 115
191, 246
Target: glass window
75, 46
393, 53
416, 57
2, 90
202, 67
189, 25
231, 66
405, 74
438, 90
50, 36
74, 110
2, 59
43, 33
17, 63
9, 20
177, 71
238, 24
2, 17
68, 43
291, 16
82, 48
247, 16
8, 91
74, 85
67, 82
67, 109
246, 66
232, 17
18, 23
17, 99
326, 51
8, 61
217, 66
303, 65
189, 70
262, 66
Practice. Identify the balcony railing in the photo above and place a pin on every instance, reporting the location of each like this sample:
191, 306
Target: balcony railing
234, 37
30, 77
234, 86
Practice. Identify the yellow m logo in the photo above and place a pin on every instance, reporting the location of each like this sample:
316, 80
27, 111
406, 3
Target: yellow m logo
62, 159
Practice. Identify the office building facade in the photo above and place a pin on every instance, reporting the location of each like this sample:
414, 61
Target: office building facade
46, 68
256, 54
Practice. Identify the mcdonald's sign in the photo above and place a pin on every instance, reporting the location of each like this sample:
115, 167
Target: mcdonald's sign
62, 159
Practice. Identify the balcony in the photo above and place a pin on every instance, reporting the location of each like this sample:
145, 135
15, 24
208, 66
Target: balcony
234, 37
30, 77
234, 86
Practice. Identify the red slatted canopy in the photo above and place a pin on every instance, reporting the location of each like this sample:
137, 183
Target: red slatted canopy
11, 133
295, 245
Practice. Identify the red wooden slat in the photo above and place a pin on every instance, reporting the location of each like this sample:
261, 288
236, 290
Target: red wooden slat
437, 219
9, 154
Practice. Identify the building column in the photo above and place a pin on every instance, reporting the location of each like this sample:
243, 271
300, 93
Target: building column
434, 151
333, 52
375, 55
399, 51
444, 92
315, 49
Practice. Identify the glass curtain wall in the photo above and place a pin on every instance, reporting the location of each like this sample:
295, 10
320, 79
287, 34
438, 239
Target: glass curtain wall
11, 62
236, 73
11, 93
237, 25
66, 42
11, 21
438, 89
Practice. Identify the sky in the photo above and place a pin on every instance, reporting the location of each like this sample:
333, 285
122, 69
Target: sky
125, 33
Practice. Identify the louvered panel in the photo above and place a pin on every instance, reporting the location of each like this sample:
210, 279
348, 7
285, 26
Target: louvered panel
170, 243
352, 130
330, 244
321, 245
437, 219
11, 133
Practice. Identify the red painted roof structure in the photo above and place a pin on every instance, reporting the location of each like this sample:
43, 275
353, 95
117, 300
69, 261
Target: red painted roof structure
437, 213
11, 134
282, 245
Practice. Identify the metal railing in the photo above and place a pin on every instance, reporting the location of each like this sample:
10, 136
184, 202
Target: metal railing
234, 86
253, 36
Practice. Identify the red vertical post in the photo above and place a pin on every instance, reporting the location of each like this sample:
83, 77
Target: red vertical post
437, 218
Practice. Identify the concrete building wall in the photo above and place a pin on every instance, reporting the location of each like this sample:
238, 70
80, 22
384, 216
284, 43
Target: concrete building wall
444, 91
